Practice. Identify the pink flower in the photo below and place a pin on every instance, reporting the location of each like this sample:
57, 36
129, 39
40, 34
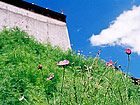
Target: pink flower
25, 36
51, 76
90, 77
62, 63
13, 30
128, 51
90, 52
90, 67
78, 50
110, 63
67, 84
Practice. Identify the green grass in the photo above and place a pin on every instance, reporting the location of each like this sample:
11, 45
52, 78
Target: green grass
20, 76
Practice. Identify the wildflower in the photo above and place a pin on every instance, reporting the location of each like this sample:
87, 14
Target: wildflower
119, 66
115, 67
62, 63
71, 54
90, 77
72, 63
78, 50
90, 52
99, 86
51, 76
62, 11
25, 36
128, 51
20, 99
78, 53
67, 84
13, 30
110, 63
115, 63
39, 67
7, 27
90, 67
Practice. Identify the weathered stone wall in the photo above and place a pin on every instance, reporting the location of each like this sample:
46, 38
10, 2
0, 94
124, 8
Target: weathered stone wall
43, 28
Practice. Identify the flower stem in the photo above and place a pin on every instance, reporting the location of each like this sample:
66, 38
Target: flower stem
43, 78
99, 81
27, 101
44, 83
75, 86
120, 95
128, 65
62, 82
54, 96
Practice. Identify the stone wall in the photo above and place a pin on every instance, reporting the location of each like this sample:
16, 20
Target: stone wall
43, 28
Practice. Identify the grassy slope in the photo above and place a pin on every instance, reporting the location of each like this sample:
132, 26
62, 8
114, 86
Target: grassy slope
19, 76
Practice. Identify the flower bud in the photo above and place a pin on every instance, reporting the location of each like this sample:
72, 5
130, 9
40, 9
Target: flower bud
39, 67
128, 51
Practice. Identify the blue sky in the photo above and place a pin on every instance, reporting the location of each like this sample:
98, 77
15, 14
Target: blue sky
109, 25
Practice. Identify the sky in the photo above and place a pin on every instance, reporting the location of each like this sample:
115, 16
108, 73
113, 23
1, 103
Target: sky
109, 25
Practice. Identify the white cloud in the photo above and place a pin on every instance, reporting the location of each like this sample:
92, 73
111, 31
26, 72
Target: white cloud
124, 31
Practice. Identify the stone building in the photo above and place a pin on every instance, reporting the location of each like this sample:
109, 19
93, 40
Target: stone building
44, 24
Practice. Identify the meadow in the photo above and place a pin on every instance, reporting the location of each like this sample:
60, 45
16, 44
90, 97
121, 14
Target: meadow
33, 73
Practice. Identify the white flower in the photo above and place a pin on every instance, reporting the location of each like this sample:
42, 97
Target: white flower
78, 53
7, 27
21, 98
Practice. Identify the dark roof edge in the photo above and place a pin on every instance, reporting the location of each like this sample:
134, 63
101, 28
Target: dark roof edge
36, 9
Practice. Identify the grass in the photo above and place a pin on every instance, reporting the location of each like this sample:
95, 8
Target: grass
83, 81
